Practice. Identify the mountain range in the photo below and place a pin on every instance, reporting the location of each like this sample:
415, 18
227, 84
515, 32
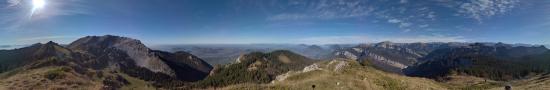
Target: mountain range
112, 62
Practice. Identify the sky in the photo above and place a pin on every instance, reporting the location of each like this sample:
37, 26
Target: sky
157, 22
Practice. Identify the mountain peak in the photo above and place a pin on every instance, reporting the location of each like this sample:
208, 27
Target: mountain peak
51, 43
137, 51
384, 44
105, 41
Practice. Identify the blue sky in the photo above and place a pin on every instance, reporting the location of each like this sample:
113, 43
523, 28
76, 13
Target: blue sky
157, 22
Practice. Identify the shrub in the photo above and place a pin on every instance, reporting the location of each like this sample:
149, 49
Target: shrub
57, 73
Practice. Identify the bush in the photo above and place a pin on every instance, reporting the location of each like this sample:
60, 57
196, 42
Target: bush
58, 73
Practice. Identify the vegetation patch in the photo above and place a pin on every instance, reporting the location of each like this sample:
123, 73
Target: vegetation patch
57, 73
480, 86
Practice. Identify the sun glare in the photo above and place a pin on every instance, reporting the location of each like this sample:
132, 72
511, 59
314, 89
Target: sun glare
36, 5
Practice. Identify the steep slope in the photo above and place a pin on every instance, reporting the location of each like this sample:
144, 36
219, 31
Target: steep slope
255, 67
498, 62
342, 75
186, 66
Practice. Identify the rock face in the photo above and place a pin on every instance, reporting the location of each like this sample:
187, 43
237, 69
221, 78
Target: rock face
390, 56
138, 52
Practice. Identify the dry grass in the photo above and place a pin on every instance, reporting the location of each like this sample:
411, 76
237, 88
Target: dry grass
540, 82
65, 80
35, 79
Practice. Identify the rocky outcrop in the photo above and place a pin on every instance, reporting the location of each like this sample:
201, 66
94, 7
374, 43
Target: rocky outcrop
311, 67
337, 65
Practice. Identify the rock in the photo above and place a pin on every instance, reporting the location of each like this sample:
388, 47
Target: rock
311, 68
281, 77
341, 64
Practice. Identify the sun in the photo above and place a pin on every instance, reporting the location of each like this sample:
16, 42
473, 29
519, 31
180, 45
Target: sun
37, 5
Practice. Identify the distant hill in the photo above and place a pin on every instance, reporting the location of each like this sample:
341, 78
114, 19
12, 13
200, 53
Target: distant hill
9, 47
100, 62
17, 58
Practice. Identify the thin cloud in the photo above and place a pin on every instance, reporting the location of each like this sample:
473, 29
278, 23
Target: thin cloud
404, 14
334, 40
424, 38
394, 21
12, 3
480, 9
366, 39
324, 9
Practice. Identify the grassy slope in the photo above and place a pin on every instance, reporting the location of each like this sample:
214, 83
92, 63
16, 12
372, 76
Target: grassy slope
462, 82
352, 76
35, 79
539, 82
